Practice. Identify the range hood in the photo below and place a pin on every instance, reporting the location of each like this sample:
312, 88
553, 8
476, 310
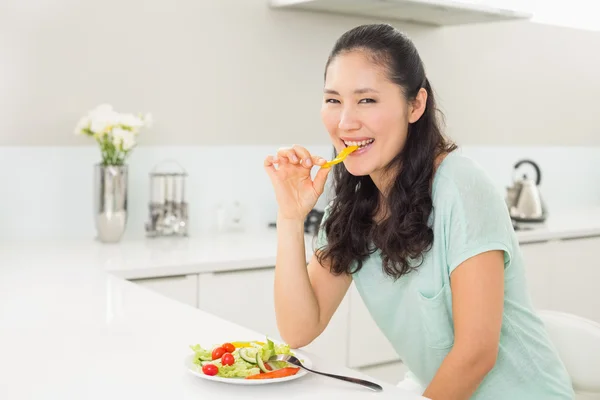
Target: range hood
429, 12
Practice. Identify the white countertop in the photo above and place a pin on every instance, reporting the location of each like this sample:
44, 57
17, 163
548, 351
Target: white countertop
71, 330
564, 225
148, 258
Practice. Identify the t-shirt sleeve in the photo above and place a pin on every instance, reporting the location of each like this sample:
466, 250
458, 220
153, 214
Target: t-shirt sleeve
477, 218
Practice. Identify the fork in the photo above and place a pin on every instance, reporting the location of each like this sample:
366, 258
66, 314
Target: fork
294, 361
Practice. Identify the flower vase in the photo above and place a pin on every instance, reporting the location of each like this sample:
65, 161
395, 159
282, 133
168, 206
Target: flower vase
110, 202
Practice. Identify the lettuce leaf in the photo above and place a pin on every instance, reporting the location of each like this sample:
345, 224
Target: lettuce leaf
239, 369
200, 353
283, 349
267, 350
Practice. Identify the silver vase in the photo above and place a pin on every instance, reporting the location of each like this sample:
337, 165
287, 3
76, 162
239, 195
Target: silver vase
110, 202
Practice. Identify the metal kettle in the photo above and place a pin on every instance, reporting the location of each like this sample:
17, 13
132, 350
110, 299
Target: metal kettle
523, 198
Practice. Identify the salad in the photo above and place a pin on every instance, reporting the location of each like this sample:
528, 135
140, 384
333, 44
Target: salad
247, 360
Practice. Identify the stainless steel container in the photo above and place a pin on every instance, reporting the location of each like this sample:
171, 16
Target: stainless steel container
110, 202
168, 207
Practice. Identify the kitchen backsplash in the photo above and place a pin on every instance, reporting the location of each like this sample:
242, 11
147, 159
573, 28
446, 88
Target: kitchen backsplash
47, 191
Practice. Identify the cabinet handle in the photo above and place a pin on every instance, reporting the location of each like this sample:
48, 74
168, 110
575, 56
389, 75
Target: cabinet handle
534, 242
582, 237
237, 271
156, 278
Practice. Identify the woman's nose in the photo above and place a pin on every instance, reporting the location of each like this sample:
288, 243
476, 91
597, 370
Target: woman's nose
348, 120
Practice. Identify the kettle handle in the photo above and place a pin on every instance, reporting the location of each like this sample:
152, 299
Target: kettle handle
538, 172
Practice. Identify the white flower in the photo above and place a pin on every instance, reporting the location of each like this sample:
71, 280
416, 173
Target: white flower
83, 123
100, 135
103, 118
100, 126
130, 121
123, 139
114, 132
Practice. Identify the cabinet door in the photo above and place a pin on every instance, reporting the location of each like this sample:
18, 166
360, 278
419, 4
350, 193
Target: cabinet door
540, 264
245, 297
577, 277
391, 373
367, 344
182, 288
332, 344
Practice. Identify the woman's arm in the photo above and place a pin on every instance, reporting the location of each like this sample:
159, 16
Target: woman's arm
305, 297
477, 305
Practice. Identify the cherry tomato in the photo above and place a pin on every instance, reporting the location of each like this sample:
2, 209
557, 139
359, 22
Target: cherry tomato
229, 348
227, 359
210, 369
218, 353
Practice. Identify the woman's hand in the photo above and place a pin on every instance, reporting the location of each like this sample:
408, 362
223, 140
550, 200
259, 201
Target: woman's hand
296, 192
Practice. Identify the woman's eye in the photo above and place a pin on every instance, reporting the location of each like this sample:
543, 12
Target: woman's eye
367, 101
333, 101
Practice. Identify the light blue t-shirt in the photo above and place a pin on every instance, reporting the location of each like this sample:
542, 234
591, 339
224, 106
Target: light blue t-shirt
415, 312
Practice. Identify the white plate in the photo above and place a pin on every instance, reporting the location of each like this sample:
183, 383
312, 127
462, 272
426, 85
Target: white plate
197, 371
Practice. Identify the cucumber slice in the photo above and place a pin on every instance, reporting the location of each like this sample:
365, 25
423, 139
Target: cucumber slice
246, 355
272, 366
205, 358
260, 363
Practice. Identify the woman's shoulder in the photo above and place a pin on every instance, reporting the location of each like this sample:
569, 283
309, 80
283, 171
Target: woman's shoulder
460, 176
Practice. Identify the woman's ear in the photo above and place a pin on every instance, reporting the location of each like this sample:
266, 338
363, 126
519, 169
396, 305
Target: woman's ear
417, 106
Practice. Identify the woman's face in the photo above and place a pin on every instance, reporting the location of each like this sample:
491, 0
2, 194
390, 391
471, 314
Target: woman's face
362, 106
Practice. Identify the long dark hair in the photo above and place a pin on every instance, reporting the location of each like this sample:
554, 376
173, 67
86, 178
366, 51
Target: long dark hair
404, 234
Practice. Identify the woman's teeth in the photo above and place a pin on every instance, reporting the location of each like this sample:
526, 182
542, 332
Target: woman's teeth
362, 143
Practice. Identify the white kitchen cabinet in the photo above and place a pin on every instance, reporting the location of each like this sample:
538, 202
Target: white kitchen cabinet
563, 275
183, 288
430, 13
332, 344
391, 373
540, 266
241, 296
245, 297
577, 277
367, 344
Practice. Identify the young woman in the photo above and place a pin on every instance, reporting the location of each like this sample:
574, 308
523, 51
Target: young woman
419, 228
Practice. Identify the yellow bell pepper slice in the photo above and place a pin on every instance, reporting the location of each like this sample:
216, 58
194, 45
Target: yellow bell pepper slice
340, 157
246, 344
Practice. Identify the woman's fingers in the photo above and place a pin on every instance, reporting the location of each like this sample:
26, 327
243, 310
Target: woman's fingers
287, 154
304, 156
296, 155
320, 180
269, 165
318, 160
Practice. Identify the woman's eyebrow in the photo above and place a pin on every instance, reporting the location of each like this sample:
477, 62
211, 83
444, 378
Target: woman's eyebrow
357, 91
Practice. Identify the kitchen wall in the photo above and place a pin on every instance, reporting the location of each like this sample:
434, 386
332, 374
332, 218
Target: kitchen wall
48, 192
236, 72
229, 81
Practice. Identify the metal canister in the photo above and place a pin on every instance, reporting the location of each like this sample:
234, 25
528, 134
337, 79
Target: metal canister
168, 205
